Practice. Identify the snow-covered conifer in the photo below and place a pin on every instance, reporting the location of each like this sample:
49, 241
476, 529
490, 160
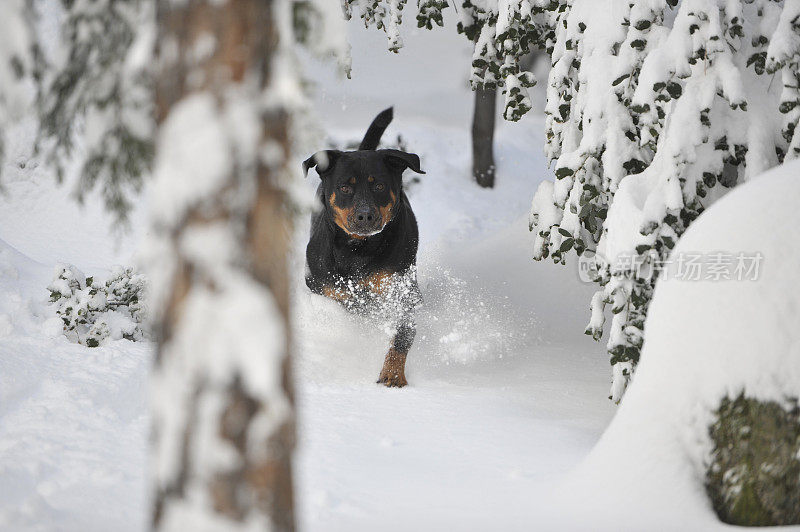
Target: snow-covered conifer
386, 15
96, 93
16, 61
90, 311
648, 123
429, 12
714, 405
501, 33
783, 55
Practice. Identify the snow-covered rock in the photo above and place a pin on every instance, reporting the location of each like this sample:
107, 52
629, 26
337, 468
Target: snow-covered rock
705, 340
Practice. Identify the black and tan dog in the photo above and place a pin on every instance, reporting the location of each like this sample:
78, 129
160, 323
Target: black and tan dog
363, 246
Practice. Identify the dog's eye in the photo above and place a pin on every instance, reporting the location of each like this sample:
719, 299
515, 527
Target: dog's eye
379, 187
347, 189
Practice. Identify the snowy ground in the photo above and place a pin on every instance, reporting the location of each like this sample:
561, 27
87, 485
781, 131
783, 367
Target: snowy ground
496, 410
499, 407
73, 420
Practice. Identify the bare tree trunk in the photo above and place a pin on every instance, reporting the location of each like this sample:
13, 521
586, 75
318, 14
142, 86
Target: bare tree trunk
483, 118
483, 121
222, 399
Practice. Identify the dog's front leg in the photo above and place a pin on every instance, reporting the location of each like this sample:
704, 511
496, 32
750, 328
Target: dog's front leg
393, 373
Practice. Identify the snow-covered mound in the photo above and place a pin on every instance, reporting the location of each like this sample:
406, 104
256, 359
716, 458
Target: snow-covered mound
73, 423
706, 339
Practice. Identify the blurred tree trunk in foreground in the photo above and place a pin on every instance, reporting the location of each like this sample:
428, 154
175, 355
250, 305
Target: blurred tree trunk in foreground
222, 400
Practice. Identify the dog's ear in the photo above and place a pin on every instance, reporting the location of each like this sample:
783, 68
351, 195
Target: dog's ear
402, 160
323, 160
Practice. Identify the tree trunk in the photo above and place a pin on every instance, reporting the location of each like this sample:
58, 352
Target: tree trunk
483, 121
483, 118
222, 400
754, 475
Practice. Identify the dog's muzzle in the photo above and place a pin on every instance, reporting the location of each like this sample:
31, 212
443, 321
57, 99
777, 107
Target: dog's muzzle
366, 221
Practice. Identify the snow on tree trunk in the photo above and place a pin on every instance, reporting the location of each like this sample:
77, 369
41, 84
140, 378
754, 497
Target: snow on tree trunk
222, 399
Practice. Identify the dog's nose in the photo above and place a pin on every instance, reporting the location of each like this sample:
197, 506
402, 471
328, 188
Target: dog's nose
365, 216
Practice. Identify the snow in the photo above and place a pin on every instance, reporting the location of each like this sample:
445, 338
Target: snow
14, 50
235, 330
190, 166
498, 407
506, 397
73, 423
42, 220
735, 336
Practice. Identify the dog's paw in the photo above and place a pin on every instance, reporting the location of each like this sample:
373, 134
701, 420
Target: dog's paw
393, 374
392, 379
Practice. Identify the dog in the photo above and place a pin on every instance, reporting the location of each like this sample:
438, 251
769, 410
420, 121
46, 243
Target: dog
362, 250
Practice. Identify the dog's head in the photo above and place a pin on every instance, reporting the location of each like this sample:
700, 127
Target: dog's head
362, 189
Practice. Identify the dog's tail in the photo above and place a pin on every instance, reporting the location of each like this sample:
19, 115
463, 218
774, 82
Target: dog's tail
373, 136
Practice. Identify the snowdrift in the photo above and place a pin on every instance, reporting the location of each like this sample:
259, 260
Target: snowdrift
706, 339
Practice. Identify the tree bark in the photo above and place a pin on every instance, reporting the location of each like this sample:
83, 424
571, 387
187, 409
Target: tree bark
483, 121
754, 475
223, 416
483, 118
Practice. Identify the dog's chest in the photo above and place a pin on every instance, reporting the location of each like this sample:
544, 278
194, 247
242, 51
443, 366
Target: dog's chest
357, 260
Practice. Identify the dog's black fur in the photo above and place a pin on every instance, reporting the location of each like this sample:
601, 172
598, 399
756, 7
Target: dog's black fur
365, 234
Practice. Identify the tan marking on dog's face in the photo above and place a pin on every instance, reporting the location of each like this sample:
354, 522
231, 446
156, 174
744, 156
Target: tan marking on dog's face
386, 210
370, 179
341, 215
353, 181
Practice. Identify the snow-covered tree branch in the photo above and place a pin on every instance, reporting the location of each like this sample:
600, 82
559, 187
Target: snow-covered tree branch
653, 112
99, 86
501, 33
